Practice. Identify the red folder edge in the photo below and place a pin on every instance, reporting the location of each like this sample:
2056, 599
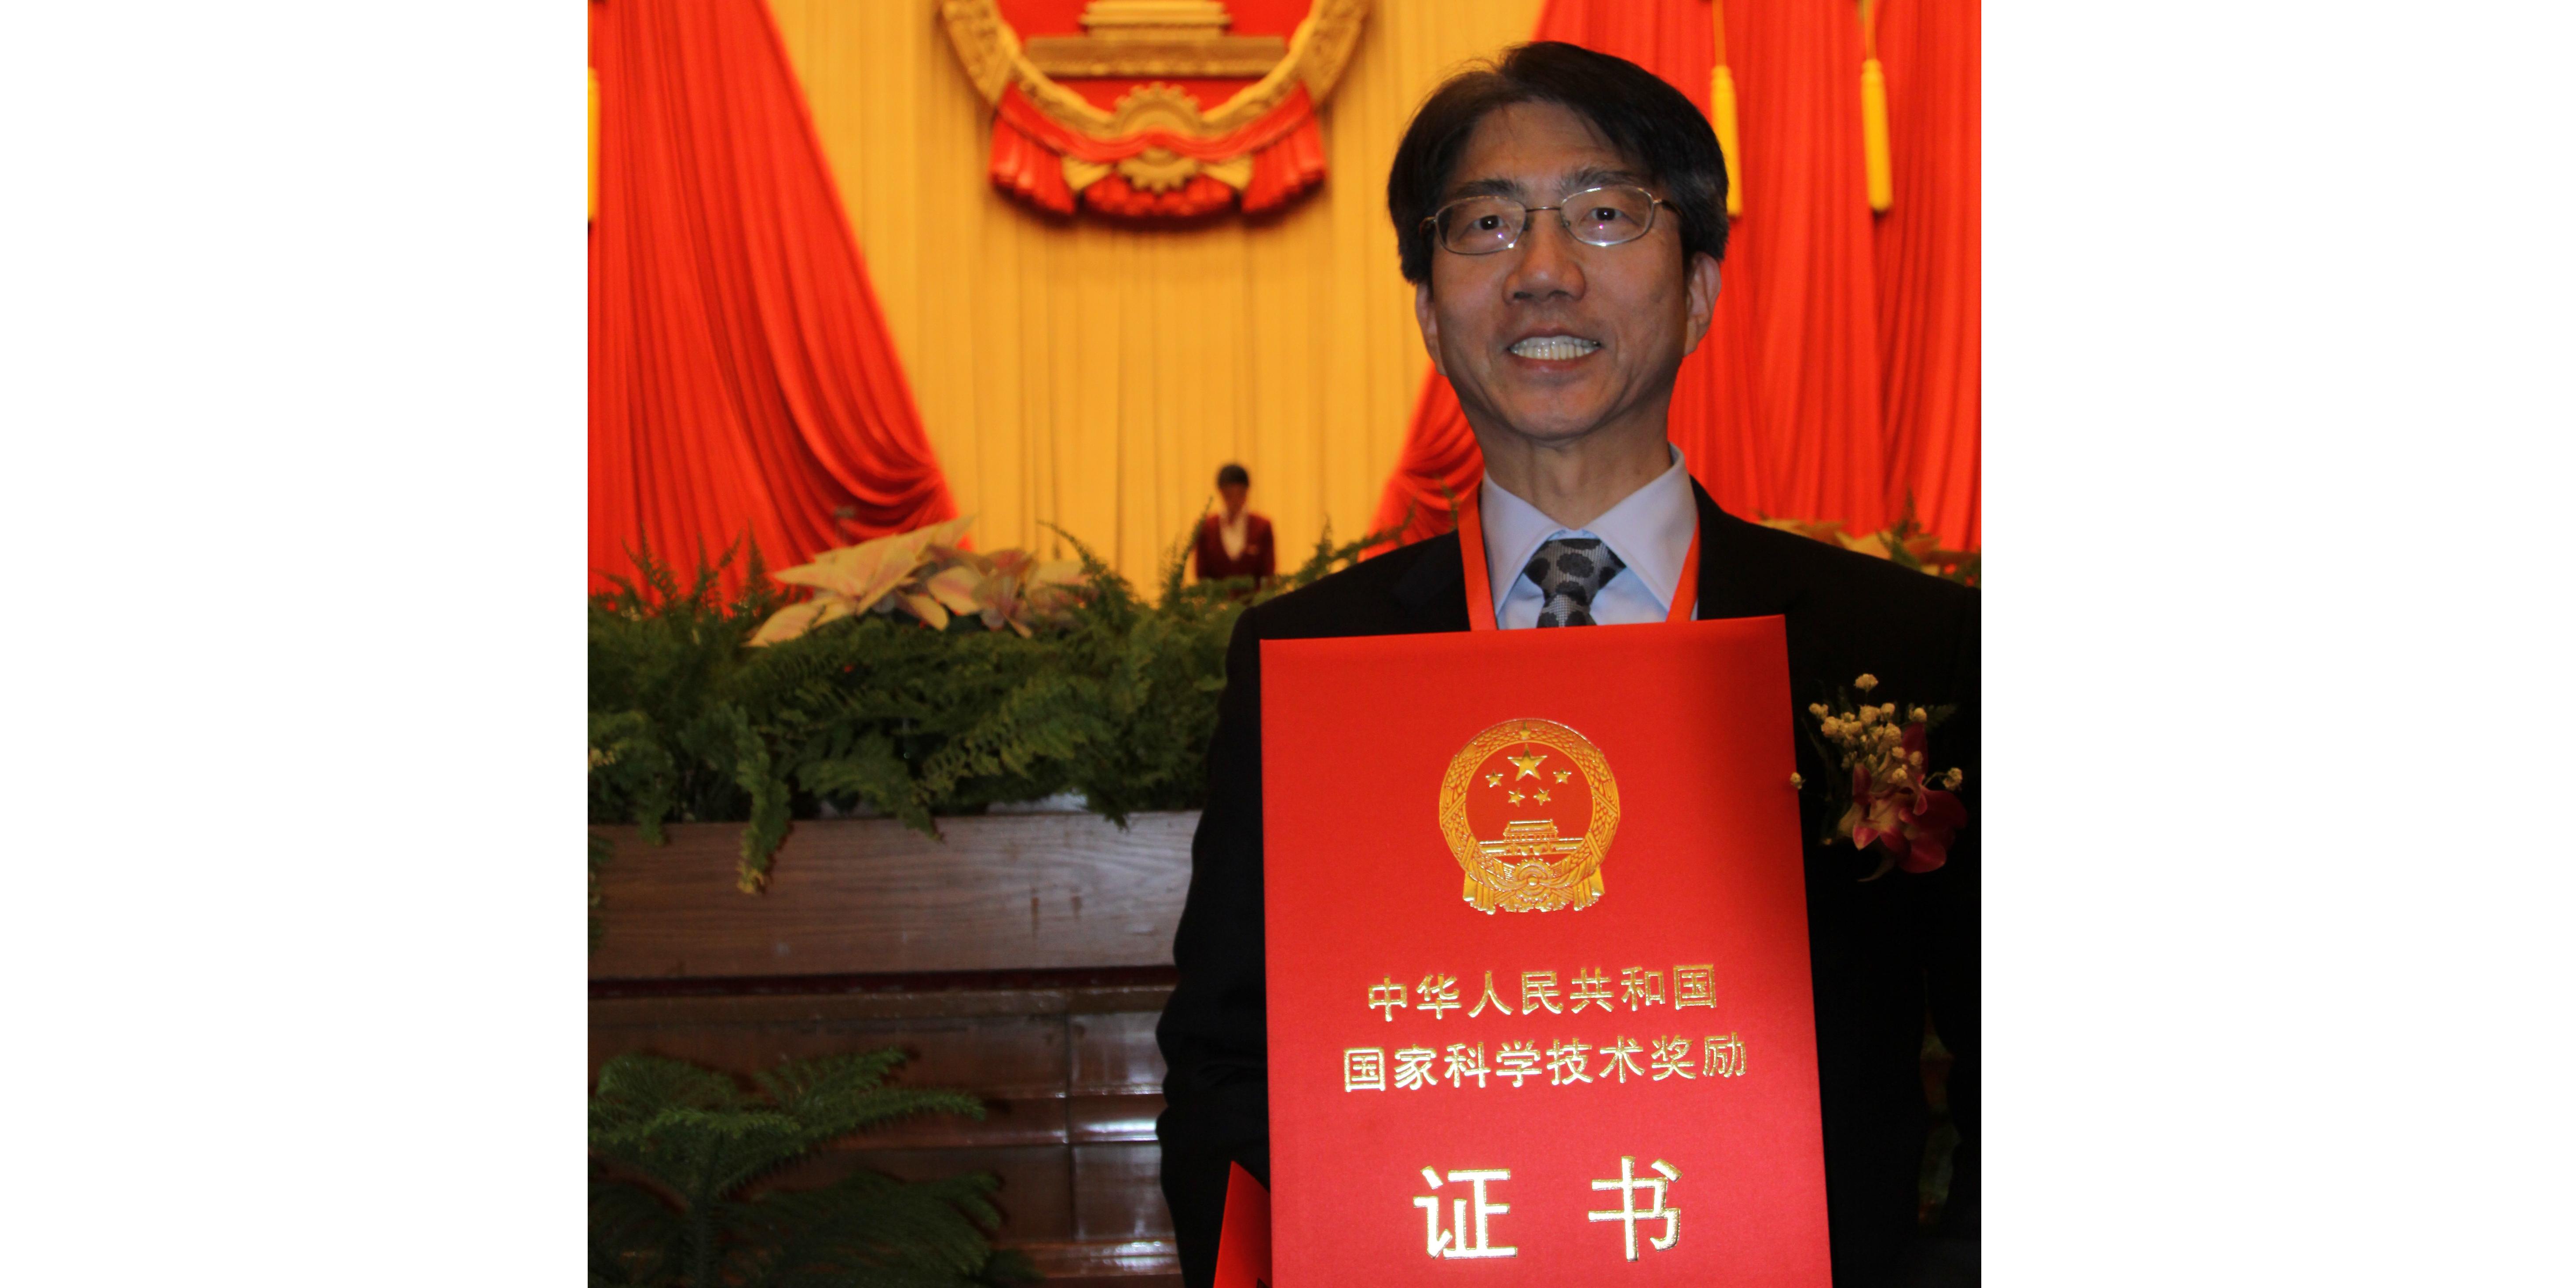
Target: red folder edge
1243, 1246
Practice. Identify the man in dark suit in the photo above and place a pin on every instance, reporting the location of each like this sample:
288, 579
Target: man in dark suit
1562, 218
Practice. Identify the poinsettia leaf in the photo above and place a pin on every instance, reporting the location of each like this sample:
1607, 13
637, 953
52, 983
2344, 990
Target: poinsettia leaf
926, 607
955, 588
796, 619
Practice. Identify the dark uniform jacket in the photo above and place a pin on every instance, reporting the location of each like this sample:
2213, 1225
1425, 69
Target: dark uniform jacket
1259, 558
1882, 951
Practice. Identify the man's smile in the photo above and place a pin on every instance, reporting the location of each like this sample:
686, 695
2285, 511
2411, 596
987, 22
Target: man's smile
1554, 348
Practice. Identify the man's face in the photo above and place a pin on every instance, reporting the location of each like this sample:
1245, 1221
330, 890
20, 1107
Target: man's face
1634, 301
1233, 495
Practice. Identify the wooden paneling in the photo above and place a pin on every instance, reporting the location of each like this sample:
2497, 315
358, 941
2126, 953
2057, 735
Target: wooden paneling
896, 940
1005, 892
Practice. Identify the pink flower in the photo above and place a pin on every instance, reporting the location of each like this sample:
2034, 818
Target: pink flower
1896, 811
1930, 821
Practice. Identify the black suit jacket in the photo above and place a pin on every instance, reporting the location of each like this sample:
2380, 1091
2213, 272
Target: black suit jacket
1881, 951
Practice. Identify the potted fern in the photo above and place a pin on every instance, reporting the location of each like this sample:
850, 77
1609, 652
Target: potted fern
674, 1148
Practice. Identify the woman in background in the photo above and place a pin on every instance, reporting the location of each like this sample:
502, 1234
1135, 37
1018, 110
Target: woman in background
1235, 543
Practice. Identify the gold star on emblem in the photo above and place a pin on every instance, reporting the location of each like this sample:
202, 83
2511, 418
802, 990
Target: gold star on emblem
1517, 798
1563, 774
1493, 780
1540, 795
1528, 764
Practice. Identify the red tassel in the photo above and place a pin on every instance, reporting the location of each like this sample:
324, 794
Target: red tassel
1023, 167
1285, 169
1113, 195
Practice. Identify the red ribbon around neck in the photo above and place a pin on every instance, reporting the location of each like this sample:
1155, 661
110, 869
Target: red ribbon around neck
1480, 585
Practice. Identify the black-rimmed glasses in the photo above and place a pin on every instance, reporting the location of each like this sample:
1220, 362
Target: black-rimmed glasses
1603, 216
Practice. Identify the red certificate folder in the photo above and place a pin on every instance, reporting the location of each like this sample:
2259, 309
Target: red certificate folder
1537, 954
1243, 1245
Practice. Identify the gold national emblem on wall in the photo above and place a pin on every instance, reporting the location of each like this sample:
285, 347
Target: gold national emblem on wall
1093, 116
1529, 807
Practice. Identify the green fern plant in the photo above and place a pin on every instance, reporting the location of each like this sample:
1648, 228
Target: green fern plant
674, 1146
877, 712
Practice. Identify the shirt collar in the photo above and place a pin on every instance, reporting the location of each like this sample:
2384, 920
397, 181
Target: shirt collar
1650, 529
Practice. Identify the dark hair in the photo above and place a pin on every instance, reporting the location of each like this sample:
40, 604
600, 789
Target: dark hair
1646, 119
1233, 474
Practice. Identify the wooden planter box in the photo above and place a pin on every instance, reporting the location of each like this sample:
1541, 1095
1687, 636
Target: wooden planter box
871, 896
1024, 958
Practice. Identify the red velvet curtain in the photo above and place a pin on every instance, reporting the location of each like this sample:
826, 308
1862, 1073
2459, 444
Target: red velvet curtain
741, 379
1841, 372
1928, 257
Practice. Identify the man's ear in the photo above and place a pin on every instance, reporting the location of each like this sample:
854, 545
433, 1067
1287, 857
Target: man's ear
1429, 322
1699, 280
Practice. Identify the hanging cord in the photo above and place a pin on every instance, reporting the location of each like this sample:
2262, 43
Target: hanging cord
1721, 112
1873, 113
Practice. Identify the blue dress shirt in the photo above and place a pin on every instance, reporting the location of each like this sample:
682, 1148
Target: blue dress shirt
1650, 530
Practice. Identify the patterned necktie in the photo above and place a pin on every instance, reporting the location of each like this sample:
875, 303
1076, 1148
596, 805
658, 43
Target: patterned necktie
1568, 572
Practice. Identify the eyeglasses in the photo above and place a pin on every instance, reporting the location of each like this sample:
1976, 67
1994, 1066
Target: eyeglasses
1604, 216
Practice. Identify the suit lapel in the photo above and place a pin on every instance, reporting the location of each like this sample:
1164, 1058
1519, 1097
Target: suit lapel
1734, 579
1432, 594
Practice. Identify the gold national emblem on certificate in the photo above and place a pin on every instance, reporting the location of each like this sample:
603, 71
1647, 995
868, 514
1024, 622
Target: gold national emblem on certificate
1528, 808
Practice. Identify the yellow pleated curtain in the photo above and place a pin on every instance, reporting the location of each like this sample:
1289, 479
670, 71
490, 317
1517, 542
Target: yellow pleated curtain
1094, 376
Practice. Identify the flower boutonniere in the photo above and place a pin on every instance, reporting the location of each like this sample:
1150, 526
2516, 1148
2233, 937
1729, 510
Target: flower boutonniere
1894, 802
